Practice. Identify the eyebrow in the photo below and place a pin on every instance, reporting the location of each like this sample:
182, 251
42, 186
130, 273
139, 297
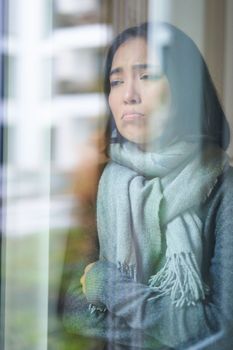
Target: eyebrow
135, 67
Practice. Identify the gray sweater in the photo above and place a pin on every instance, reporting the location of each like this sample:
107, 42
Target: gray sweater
134, 319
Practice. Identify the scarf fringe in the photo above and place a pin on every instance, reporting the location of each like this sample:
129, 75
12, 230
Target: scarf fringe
180, 278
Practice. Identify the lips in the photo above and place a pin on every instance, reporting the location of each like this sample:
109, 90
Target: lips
132, 115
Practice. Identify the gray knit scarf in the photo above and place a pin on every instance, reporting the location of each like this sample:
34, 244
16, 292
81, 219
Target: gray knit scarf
147, 215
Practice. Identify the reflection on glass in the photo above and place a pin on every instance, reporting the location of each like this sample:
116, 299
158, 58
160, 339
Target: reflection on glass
148, 123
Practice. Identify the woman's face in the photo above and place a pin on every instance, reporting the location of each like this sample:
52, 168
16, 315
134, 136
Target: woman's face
139, 94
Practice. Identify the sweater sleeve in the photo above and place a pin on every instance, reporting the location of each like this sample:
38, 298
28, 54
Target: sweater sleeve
207, 325
78, 318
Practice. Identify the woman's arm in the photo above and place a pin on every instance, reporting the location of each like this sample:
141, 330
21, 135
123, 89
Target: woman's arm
159, 318
79, 319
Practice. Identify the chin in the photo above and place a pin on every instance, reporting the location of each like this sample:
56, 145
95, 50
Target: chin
136, 136
140, 140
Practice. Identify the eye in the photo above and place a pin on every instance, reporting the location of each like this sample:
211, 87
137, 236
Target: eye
114, 83
151, 76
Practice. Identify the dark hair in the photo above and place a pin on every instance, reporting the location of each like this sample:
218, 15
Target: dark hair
195, 107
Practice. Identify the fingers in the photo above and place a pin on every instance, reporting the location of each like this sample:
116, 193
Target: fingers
82, 281
88, 267
83, 277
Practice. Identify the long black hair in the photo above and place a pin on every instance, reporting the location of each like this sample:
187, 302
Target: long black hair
195, 107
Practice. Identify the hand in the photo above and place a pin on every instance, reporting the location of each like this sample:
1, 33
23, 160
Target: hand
83, 278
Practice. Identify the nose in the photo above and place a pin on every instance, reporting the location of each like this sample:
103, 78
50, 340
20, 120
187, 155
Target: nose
131, 93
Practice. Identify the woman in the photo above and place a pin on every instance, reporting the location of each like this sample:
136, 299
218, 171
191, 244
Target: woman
164, 208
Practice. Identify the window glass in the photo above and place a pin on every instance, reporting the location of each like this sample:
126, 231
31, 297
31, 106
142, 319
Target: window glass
152, 118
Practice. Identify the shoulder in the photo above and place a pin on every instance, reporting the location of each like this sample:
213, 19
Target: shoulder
226, 190
220, 203
223, 190
225, 185
227, 176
